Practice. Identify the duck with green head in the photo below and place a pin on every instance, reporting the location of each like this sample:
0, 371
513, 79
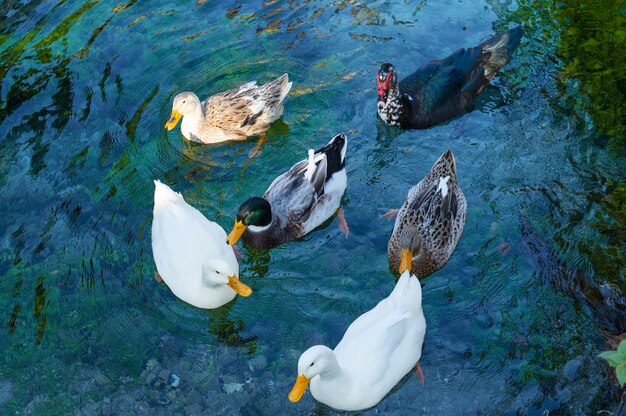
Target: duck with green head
297, 201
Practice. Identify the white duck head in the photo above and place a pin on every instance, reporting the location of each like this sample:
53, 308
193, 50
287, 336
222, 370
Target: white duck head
185, 103
317, 360
218, 273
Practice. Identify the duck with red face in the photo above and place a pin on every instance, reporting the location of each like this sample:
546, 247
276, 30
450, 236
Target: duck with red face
442, 89
389, 100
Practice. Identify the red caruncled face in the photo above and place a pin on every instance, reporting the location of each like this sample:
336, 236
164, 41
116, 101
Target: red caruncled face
383, 86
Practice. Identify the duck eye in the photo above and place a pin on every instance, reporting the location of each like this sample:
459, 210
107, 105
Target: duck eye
311, 364
183, 101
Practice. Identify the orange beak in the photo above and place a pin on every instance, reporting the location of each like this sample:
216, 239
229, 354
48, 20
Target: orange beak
406, 260
298, 389
234, 235
238, 286
173, 121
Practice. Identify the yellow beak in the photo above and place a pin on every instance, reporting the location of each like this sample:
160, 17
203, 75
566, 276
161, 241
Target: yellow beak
406, 260
174, 117
238, 286
298, 389
234, 235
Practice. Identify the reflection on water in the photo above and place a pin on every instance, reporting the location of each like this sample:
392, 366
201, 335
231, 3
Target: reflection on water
515, 319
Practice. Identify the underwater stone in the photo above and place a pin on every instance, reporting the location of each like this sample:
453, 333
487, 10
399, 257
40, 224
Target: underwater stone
194, 397
152, 363
6, 392
174, 380
200, 377
150, 379
230, 388
101, 379
90, 409
164, 375
257, 363
571, 368
193, 409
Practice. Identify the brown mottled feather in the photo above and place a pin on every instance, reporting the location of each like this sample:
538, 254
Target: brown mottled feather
241, 112
438, 219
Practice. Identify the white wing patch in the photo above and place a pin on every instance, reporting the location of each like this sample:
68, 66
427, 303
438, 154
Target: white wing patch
256, 106
443, 186
246, 87
310, 167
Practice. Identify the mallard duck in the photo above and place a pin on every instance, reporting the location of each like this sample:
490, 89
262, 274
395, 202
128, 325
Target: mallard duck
377, 350
297, 201
442, 89
430, 222
191, 253
231, 115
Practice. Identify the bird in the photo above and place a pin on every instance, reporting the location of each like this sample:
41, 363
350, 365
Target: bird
430, 222
378, 349
297, 201
442, 89
231, 115
191, 254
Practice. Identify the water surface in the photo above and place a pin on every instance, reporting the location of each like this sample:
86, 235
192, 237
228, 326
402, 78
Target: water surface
531, 295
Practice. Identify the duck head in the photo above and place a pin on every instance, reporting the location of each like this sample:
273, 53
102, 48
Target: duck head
255, 212
410, 243
316, 360
387, 80
219, 273
184, 103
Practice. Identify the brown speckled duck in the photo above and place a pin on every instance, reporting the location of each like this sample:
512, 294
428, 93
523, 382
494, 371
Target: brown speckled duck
430, 222
231, 115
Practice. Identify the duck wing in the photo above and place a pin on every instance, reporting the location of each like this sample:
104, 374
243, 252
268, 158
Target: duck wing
368, 345
239, 110
443, 87
293, 194
433, 209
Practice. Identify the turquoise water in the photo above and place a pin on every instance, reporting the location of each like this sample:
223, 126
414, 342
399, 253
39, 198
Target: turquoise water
516, 318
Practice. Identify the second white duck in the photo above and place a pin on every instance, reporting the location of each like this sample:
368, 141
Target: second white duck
191, 253
377, 350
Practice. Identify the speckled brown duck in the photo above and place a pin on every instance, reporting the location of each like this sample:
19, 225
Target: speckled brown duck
231, 115
430, 222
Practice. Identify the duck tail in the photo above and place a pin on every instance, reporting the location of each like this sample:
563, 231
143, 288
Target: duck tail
279, 88
335, 152
164, 195
444, 166
407, 294
497, 51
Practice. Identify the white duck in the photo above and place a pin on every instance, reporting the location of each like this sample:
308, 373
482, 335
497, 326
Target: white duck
377, 350
191, 253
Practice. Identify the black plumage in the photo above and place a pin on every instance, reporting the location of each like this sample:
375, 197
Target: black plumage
442, 89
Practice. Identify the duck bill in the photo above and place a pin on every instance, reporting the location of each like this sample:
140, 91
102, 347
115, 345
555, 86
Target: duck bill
236, 233
173, 121
298, 389
238, 286
406, 260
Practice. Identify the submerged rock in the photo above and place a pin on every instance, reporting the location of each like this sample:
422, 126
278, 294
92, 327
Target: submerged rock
571, 369
6, 392
230, 388
174, 380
